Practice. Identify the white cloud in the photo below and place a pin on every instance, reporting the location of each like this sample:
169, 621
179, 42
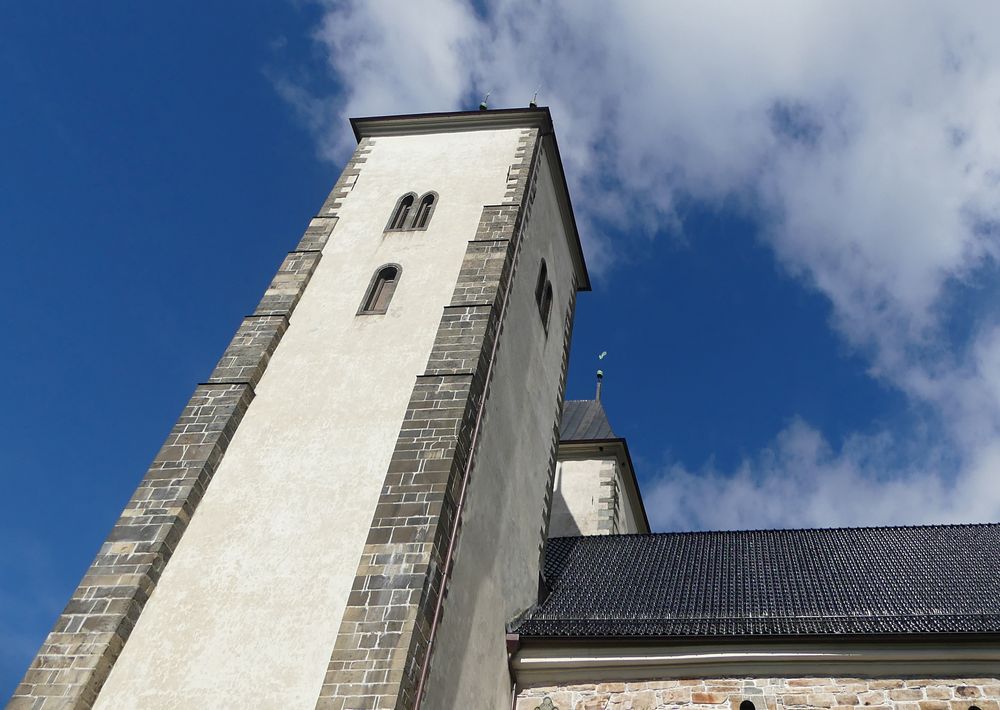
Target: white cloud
801, 481
866, 140
397, 57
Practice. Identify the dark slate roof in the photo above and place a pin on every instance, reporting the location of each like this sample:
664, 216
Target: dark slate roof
768, 583
584, 420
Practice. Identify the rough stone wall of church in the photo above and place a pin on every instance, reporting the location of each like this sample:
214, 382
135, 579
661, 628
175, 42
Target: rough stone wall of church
770, 694
78, 654
383, 639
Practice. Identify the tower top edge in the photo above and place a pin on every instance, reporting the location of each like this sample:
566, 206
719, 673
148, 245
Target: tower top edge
538, 117
446, 122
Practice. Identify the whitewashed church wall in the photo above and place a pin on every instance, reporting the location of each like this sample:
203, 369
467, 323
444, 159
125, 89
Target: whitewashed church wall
628, 519
576, 497
590, 497
496, 567
247, 611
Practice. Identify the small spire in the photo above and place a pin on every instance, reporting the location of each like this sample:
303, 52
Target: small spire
483, 105
534, 99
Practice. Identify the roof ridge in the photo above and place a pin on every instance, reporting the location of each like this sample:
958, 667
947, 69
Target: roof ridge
541, 616
922, 526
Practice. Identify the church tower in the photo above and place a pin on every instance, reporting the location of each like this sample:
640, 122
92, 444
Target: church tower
595, 490
355, 502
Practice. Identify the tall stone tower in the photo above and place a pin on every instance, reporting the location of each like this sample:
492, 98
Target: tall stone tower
355, 502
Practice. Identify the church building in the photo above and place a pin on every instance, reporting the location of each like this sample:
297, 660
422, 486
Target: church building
379, 499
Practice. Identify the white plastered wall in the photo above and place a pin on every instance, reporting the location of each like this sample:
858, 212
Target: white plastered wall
628, 522
247, 610
575, 497
581, 490
496, 565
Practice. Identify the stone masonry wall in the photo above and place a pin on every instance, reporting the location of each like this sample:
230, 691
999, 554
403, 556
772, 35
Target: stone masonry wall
77, 656
385, 627
384, 636
770, 693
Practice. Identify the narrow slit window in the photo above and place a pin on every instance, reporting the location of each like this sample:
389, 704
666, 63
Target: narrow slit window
401, 215
380, 290
543, 294
424, 211
546, 305
543, 275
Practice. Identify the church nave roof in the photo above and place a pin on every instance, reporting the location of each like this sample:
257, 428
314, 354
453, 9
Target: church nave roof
873, 581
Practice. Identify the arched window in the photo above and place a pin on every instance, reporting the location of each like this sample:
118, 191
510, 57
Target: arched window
747, 705
380, 290
543, 294
424, 210
401, 215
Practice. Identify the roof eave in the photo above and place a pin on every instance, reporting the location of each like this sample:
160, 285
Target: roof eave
449, 121
939, 655
617, 641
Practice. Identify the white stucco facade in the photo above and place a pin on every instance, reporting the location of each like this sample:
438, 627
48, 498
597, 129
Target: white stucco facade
594, 494
575, 497
247, 611
630, 520
498, 559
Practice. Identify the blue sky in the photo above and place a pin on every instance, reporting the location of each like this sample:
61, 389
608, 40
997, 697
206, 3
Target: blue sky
790, 217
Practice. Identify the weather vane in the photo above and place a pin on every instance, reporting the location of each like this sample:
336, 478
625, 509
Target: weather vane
600, 375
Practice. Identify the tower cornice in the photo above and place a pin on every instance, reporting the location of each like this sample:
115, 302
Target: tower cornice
495, 119
449, 121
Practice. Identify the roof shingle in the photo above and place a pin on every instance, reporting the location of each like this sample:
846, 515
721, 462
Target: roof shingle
765, 583
584, 420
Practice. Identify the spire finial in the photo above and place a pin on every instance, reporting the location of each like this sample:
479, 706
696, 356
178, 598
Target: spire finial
534, 99
483, 105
